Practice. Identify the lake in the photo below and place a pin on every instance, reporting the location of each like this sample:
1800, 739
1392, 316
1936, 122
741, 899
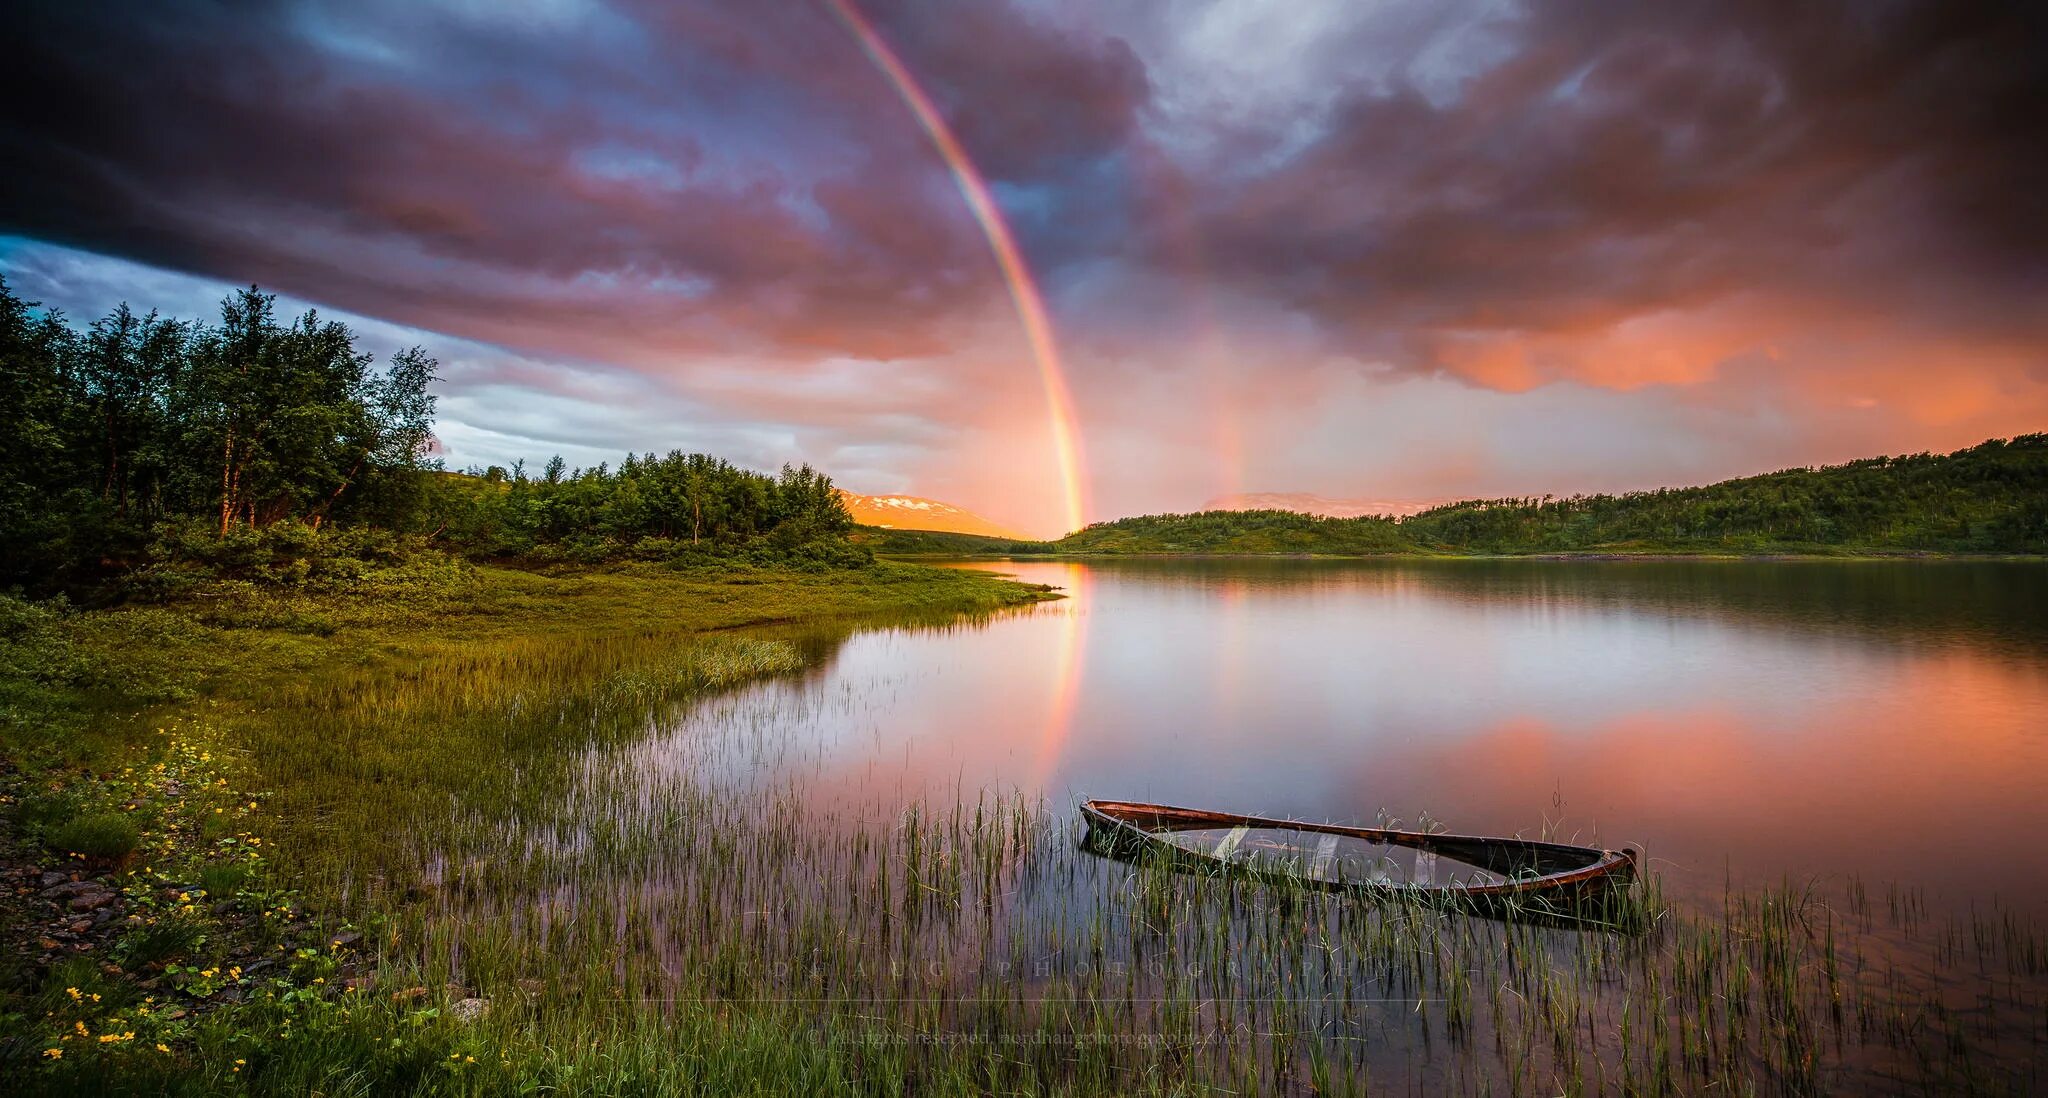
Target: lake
1838, 772
1753, 721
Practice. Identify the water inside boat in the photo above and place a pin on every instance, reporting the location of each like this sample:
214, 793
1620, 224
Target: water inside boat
1343, 859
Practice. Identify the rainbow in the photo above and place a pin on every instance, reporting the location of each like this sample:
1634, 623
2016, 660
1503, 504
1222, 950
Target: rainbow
1030, 304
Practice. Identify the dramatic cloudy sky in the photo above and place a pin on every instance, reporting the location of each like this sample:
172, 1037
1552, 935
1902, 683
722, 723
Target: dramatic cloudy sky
1355, 248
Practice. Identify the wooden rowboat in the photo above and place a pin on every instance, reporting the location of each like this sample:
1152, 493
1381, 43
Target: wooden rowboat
1486, 872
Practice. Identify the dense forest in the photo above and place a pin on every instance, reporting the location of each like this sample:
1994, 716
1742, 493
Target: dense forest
1990, 498
650, 507
261, 448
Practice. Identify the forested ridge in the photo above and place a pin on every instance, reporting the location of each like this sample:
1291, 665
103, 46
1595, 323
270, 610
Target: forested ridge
140, 450
1990, 498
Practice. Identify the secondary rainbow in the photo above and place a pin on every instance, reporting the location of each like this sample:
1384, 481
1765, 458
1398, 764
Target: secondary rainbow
1030, 304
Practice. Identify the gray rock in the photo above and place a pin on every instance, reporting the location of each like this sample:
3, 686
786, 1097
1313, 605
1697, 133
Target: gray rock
91, 901
469, 1010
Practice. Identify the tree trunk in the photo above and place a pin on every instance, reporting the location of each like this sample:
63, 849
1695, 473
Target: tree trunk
320, 513
227, 483
114, 466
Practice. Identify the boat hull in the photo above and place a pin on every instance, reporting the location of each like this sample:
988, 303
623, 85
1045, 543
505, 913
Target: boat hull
1538, 875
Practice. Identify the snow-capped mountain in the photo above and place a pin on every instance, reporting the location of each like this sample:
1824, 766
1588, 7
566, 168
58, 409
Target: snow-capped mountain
918, 513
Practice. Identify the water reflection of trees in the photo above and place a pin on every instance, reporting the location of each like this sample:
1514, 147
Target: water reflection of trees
819, 641
1991, 605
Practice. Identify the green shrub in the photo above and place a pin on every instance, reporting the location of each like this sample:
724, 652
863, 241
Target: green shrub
221, 882
35, 644
286, 554
42, 811
167, 939
107, 835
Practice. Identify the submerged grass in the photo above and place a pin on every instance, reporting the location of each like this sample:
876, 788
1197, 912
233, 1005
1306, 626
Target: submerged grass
570, 884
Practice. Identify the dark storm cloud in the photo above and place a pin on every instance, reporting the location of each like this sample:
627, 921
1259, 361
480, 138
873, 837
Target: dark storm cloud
623, 181
1792, 166
1028, 103
635, 180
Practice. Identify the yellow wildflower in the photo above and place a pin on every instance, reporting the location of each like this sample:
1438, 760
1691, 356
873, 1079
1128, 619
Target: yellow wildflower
54, 1053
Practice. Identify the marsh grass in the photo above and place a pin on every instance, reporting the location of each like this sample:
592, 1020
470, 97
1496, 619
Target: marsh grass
655, 889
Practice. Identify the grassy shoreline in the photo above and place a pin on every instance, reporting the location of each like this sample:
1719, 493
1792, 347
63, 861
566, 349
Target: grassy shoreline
214, 920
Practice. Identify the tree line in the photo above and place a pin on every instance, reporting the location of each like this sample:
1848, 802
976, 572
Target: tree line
139, 434
1989, 498
649, 506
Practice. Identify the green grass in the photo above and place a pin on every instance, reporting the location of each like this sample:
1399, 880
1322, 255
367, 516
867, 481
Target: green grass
360, 720
102, 835
80, 683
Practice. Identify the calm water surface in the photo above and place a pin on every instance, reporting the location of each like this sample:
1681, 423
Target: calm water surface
1745, 720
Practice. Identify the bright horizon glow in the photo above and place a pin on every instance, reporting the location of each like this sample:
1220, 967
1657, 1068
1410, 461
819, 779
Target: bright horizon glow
1023, 287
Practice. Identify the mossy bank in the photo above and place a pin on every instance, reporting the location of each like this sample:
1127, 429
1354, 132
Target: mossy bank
202, 796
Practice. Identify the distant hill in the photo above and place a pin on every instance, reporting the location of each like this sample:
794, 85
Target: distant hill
1991, 498
1240, 532
918, 513
1309, 504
